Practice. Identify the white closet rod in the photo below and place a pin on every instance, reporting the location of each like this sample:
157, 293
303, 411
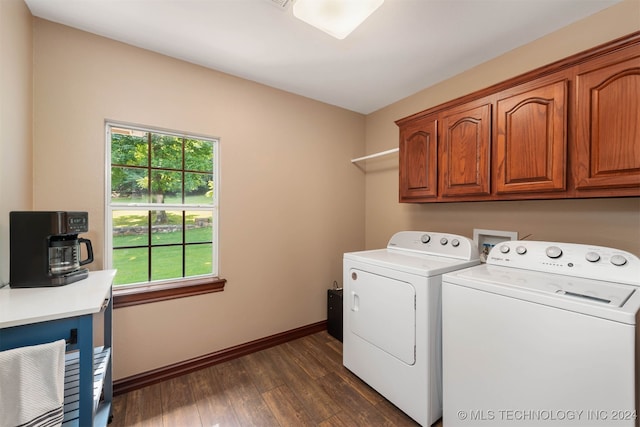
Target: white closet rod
371, 156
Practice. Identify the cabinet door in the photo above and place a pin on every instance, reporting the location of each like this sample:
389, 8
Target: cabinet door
531, 140
418, 159
608, 126
464, 152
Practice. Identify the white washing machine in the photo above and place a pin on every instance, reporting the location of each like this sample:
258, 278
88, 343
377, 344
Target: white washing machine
391, 332
544, 334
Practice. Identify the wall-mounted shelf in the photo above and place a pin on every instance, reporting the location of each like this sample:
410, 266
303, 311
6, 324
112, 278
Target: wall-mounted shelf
372, 156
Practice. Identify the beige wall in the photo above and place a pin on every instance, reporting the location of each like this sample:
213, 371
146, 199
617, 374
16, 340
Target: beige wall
606, 222
291, 202
15, 118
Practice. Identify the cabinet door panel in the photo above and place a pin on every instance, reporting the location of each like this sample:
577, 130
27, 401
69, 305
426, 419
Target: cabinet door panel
608, 126
418, 160
465, 151
531, 140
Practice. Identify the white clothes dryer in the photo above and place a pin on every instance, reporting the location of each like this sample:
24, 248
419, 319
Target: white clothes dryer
391, 332
543, 334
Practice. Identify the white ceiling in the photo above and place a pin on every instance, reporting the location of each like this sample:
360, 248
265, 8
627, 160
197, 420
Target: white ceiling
402, 48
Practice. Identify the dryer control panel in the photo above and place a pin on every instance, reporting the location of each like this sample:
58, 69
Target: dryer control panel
433, 243
587, 261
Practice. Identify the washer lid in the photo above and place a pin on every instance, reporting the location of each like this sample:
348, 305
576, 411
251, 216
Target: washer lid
608, 300
408, 262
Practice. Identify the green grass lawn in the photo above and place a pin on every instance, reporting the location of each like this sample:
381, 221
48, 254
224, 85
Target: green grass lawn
166, 261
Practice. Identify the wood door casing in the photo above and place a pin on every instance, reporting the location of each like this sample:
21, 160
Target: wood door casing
608, 126
531, 140
418, 159
465, 151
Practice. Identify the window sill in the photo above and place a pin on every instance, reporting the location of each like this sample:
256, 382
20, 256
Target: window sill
144, 294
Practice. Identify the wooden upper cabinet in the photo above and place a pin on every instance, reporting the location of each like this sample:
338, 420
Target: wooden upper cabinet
570, 129
418, 159
464, 152
607, 132
531, 140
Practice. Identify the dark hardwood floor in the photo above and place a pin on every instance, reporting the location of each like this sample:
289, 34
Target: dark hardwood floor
299, 383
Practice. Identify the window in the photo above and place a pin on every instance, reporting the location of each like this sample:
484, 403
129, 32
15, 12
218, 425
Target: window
162, 206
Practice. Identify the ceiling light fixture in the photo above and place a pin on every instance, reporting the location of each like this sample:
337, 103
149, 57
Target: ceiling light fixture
335, 17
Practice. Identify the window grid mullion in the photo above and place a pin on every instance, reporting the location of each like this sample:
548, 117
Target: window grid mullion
149, 216
150, 183
150, 206
184, 244
150, 259
184, 225
184, 176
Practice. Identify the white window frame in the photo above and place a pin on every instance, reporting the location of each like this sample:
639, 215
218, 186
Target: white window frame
110, 207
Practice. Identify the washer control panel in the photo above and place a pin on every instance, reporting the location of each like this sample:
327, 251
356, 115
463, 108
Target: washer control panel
588, 261
434, 243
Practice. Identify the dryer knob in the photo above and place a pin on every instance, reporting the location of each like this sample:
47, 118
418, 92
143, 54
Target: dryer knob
592, 256
618, 260
554, 252
521, 250
455, 243
425, 238
443, 241
504, 249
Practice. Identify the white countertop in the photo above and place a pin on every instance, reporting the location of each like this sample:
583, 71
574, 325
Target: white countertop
22, 306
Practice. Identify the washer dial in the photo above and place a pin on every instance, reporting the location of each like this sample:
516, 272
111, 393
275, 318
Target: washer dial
618, 260
592, 256
554, 252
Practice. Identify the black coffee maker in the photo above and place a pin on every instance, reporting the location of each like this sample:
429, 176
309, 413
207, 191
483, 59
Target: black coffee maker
45, 248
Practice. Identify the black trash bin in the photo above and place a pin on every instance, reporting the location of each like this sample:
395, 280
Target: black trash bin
334, 313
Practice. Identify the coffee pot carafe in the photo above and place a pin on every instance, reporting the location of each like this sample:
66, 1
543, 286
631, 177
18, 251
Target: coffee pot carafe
64, 253
45, 249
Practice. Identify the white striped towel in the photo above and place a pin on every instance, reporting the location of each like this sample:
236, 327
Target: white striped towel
32, 386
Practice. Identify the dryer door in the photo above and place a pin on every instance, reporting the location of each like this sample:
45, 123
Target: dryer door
382, 311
